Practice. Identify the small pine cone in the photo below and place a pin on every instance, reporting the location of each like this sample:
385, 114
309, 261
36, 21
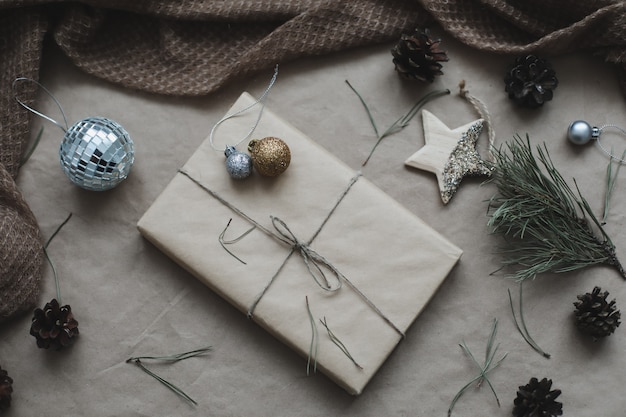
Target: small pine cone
536, 400
594, 315
6, 389
418, 57
530, 82
54, 326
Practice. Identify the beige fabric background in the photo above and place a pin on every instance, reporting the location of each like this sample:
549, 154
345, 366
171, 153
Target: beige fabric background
132, 300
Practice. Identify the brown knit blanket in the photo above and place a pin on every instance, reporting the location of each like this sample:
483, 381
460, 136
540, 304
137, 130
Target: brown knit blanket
193, 47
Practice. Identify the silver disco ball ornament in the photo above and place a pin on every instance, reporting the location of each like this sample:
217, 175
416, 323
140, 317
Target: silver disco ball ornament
97, 153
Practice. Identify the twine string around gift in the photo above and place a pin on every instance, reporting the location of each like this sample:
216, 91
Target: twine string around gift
260, 100
37, 112
314, 262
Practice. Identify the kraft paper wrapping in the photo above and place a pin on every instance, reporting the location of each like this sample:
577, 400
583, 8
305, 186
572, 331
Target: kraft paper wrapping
391, 257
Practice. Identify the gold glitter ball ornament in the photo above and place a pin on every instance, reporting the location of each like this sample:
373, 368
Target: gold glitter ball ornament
271, 156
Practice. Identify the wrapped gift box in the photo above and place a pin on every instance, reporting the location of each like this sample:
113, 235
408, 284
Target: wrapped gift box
391, 260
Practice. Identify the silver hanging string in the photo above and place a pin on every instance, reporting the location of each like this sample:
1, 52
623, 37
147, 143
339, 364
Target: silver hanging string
38, 113
260, 100
606, 151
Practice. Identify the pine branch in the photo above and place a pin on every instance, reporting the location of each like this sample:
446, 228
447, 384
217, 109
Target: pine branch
549, 226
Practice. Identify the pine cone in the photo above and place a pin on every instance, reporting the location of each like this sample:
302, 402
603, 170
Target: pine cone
531, 81
536, 400
6, 388
596, 316
418, 57
54, 326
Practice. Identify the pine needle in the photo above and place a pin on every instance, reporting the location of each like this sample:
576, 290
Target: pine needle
401, 122
610, 184
549, 226
137, 360
339, 343
164, 381
523, 329
314, 341
47, 255
176, 357
487, 367
224, 242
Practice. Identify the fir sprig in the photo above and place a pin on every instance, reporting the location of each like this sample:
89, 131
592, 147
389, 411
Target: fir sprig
550, 227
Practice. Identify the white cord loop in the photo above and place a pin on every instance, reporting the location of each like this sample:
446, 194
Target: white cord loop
606, 151
38, 113
260, 100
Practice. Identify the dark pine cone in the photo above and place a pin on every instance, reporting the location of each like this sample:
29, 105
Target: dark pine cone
418, 57
596, 316
531, 81
6, 389
536, 400
54, 326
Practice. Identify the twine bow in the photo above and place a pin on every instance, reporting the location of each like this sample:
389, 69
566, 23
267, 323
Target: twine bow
314, 263
313, 260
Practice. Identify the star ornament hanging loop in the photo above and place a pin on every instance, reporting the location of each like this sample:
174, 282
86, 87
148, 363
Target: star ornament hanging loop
450, 154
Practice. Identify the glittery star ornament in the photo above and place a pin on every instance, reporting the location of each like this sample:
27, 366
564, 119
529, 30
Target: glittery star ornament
449, 153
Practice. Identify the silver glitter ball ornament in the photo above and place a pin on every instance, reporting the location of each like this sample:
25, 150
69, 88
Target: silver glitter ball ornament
97, 153
238, 164
580, 132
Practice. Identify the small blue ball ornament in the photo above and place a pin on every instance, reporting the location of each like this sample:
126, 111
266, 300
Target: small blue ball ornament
238, 164
97, 153
580, 132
